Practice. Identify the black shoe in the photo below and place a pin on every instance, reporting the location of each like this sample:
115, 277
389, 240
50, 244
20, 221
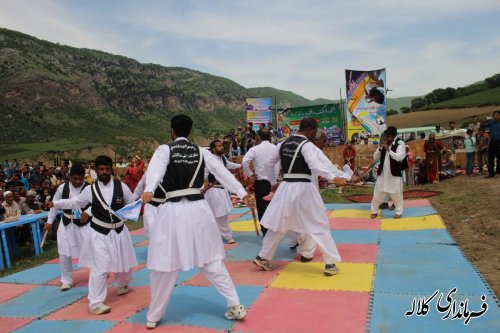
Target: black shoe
293, 248
383, 205
304, 259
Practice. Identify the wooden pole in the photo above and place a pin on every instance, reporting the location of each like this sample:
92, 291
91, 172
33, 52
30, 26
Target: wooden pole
44, 237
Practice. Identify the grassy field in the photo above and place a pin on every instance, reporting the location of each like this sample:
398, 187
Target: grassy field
32, 150
441, 116
487, 97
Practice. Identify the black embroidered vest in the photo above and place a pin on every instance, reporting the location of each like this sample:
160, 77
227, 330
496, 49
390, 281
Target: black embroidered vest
65, 195
397, 168
287, 151
100, 213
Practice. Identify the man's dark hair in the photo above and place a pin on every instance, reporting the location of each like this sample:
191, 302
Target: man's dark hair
497, 111
308, 123
392, 131
422, 135
264, 134
452, 122
212, 144
77, 170
103, 160
181, 124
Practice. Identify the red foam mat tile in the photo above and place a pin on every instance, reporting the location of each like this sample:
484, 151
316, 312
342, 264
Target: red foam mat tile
143, 243
281, 310
11, 290
228, 247
347, 223
138, 232
122, 307
232, 217
80, 278
243, 273
134, 328
354, 253
11, 324
416, 203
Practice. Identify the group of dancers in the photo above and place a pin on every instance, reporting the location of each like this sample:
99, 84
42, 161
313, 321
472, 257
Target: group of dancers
187, 220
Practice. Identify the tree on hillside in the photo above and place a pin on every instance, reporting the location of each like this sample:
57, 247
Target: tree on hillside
418, 103
493, 81
405, 109
392, 112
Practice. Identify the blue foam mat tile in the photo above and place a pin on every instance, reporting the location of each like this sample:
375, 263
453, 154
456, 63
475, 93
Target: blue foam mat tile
388, 315
37, 275
356, 236
411, 278
141, 253
243, 218
250, 245
138, 238
200, 306
411, 212
242, 210
358, 206
427, 236
67, 326
420, 254
141, 277
40, 301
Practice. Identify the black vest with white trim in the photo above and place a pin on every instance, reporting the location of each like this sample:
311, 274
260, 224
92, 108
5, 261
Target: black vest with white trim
102, 214
397, 168
69, 212
183, 163
287, 152
211, 177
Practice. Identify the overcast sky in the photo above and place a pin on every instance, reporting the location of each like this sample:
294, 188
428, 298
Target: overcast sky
301, 46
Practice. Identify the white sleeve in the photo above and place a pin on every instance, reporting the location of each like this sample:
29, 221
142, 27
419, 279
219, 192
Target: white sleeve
157, 168
231, 166
224, 177
128, 196
400, 153
320, 164
140, 187
376, 154
53, 210
81, 200
249, 156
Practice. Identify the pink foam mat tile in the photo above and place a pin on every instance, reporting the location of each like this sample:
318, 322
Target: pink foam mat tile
347, 223
243, 273
416, 203
11, 290
143, 243
135, 328
282, 310
228, 247
74, 261
232, 217
353, 253
138, 232
8, 325
122, 307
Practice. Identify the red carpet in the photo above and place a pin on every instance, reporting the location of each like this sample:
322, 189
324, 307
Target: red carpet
412, 194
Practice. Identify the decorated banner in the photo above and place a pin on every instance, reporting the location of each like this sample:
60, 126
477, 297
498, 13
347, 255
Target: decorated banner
366, 104
259, 110
329, 117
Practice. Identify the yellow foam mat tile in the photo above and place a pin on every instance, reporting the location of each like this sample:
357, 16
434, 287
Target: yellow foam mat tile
309, 276
351, 213
413, 223
246, 225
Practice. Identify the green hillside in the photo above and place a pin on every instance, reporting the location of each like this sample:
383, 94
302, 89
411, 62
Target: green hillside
488, 97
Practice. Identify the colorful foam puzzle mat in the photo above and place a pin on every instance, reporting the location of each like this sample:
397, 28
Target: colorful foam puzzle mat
396, 275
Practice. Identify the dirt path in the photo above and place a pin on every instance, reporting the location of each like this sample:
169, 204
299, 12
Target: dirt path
470, 208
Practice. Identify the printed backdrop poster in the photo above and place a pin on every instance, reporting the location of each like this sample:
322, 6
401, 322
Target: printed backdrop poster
329, 117
366, 104
259, 110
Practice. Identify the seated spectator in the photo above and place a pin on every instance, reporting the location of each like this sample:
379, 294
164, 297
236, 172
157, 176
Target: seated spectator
412, 137
30, 205
121, 163
37, 176
349, 154
422, 136
449, 166
12, 211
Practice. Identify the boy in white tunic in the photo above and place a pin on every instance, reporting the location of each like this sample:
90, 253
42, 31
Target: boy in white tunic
72, 229
297, 204
217, 196
182, 229
392, 154
109, 246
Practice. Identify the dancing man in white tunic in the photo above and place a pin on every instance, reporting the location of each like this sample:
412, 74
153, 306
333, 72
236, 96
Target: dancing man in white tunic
72, 229
109, 246
182, 229
297, 204
217, 196
391, 154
